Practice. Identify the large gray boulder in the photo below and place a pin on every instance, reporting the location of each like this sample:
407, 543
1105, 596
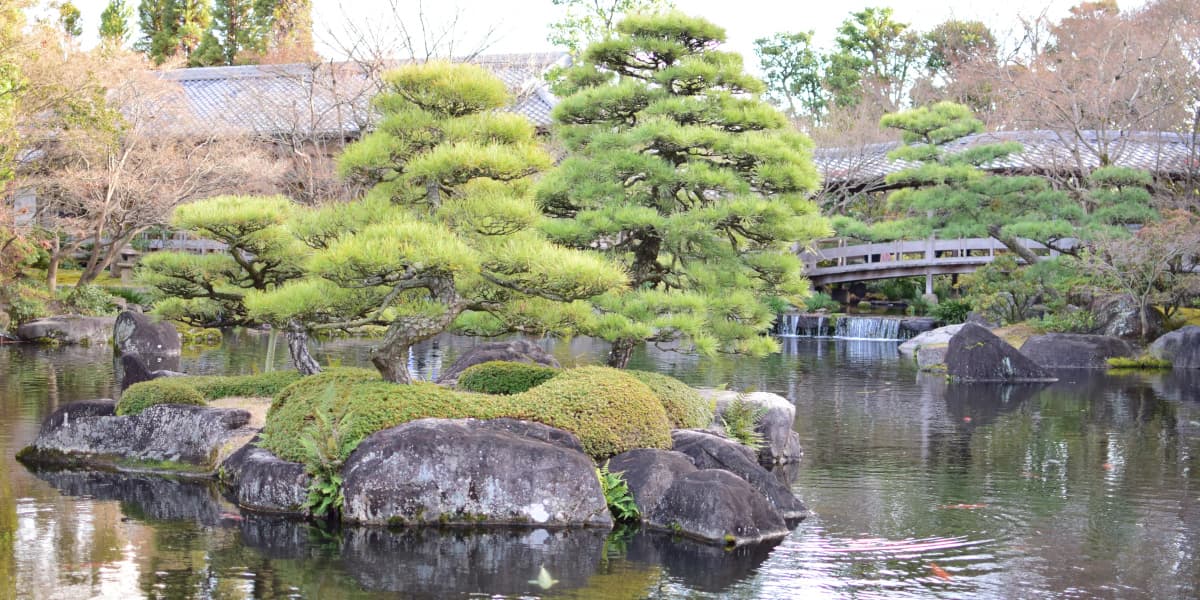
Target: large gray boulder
933, 337
139, 334
711, 451
714, 505
260, 481
976, 354
913, 326
781, 442
523, 351
1181, 347
1118, 316
68, 329
649, 472
471, 472
932, 358
191, 438
1074, 350
132, 369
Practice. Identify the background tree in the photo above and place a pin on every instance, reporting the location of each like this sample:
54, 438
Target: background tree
105, 171
587, 21
291, 36
676, 169
114, 22
69, 19
877, 59
172, 29
238, 27
792, 70
446, 233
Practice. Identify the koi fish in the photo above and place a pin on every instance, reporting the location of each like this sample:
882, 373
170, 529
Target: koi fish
962, 506
938, 571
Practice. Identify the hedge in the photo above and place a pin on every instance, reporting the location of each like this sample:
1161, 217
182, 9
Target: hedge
263, 385
504, 377
165, 390
685, 407
609, 410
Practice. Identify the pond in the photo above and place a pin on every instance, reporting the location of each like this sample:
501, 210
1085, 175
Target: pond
1089, 487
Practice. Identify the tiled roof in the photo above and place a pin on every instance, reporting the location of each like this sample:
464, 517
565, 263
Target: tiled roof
329, 98
1166, 154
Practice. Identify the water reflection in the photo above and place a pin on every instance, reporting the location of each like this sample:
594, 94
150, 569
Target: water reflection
1086, 487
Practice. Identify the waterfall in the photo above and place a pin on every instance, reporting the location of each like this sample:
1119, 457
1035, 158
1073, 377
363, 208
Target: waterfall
868, 328
839, 326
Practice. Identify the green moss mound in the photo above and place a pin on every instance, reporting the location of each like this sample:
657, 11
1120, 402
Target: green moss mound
360, 409
608, 409
685, 407
504, 377
263, 385
167, 390
309, 387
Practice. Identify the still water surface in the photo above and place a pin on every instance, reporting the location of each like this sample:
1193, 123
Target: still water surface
1086, 488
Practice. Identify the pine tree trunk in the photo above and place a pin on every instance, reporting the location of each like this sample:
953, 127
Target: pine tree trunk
618, 355
297, 341
392, 361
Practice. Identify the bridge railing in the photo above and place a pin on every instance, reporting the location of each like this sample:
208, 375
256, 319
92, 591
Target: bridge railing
844, 252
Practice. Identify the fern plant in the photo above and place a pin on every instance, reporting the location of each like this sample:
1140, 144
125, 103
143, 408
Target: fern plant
617, 495
322, 443
740, 421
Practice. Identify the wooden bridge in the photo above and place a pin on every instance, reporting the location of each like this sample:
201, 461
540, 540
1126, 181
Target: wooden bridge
841, 260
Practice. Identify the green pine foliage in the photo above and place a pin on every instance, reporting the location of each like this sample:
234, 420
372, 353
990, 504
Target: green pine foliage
504, 377
447, 232
208, 290
685, 407
172, 28
238, 27
166, 390
676, 169
114, 22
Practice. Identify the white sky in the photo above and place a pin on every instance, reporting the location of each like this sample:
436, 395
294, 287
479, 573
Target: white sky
521, 24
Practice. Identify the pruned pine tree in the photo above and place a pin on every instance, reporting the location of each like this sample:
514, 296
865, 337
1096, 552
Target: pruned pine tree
447, 234
677, 169
947, 193
208, 290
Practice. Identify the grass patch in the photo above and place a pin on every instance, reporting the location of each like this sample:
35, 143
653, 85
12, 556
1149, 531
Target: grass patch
212, 387
1144, 362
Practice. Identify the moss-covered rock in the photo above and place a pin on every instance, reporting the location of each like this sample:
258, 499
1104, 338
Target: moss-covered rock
504, 377
685, 407
167, 390
610, 410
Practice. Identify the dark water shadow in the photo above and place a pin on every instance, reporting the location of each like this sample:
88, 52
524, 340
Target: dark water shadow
701, 567
975, 405
144, 497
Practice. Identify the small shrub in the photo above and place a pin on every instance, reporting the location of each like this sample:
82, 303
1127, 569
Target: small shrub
262, 385
740, 421
821, 301
1076, 321
26, 303
777, 305
918, 306
617, 495
502, 377
309, 387
1141, 362
166, 390
132, 295
608, 409
685, 407
951, 312
87, 300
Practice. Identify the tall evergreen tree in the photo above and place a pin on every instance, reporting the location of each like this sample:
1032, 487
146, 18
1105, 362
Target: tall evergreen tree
114, 22
678, 170
238, 27
69, 18
447, 234
172, 28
